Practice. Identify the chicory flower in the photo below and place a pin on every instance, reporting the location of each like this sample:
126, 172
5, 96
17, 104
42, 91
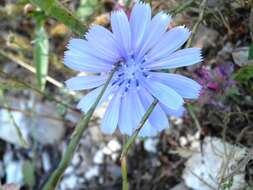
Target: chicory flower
141, 47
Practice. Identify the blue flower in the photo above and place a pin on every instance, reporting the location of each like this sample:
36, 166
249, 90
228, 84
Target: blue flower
142, 46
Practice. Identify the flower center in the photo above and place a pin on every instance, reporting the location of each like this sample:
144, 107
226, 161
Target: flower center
130, 69
128, 74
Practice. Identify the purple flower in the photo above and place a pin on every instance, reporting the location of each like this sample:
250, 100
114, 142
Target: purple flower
142, 46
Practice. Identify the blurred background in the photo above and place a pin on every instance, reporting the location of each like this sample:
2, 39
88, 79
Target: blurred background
209, 148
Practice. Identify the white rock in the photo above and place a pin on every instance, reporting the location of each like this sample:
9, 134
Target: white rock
14, 172
70, 169
114, 156
150, 145
99, 157
46, 161
107, 151
206, 169
76, 159
114, 145
47, 130
183, 141
8, 132
180, 186
92, 172
240, 56
69, 182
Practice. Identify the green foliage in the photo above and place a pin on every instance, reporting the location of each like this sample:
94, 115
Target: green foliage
227, 184
250, 57
28, 173
244, 74
86, 9
233, 91
56, 10
41, 57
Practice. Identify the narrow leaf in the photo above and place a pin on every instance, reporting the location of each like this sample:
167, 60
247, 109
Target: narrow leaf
41, 55
56, 10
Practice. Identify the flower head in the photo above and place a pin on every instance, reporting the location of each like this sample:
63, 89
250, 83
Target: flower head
141, 47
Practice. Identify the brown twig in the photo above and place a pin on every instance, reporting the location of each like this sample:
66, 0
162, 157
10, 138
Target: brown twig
195, 27
45, 95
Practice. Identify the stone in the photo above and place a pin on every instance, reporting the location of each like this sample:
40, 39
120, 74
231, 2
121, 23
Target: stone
204, 171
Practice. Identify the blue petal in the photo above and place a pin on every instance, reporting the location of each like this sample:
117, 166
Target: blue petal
84, 47
184, 86
138, 113
87, 101
156, 29
139, 21
111, 116
180, 58
125, 122
86, 82
103, 43
157, 119
121, 30
176, 113
79, 61
170, 42
163, 93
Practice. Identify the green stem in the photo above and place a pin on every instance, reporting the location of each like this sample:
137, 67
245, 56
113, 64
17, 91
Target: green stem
75, 138
130, 143
132, 139
125, 185
193, 116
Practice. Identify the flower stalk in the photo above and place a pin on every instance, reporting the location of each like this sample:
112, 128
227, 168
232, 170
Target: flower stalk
51, 184
130, 143
125, 185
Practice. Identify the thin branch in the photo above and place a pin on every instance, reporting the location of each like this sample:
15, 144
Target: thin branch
202, 8
45, 95
188, 44
132, 139
19, 132
193, 116
180, 8
30, 68
30, 113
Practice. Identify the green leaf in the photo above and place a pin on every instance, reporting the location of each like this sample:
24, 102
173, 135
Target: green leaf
29, 173
244, 74
56, 10
41, 54
250, 57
